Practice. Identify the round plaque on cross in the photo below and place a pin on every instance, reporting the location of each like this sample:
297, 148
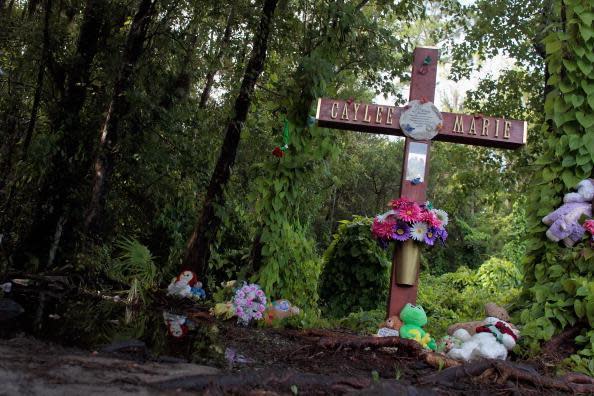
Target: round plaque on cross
421, 120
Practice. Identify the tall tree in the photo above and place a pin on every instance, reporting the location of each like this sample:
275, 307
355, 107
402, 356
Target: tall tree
198, 249
117, 110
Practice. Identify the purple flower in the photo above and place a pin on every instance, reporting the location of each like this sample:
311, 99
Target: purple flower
430, 236
442, 234
401, 231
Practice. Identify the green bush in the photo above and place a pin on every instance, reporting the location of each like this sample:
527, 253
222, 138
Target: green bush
460, 296
356, 270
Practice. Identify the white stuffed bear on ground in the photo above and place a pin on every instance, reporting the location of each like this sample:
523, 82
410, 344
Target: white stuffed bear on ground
492, 341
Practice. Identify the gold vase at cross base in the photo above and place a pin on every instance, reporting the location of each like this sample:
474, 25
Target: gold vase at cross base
407, 259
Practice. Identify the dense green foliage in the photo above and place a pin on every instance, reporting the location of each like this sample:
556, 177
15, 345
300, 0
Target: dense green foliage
356, 270
559, 285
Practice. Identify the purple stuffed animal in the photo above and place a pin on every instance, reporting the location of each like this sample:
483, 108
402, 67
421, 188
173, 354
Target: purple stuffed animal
563, 222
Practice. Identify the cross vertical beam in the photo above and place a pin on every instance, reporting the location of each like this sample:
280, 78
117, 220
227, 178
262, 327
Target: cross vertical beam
422, 86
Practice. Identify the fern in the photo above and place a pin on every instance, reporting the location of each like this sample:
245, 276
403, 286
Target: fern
135, 267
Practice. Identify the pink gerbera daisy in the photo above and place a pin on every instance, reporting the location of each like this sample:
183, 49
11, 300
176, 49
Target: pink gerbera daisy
382, 229
431, 219
410, 213
400, 203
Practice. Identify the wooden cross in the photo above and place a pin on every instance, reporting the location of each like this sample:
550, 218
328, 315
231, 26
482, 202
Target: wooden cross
475, 130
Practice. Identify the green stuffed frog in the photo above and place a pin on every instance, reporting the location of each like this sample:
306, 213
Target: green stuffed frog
414, 318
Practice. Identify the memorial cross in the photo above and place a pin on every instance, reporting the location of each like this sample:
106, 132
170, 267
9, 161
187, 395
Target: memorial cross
475, 130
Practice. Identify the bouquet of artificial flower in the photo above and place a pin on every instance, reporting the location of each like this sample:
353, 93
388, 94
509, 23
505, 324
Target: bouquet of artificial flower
249, 303
409, 220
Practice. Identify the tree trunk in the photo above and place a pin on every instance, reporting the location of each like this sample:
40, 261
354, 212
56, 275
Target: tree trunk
67, 170
40, 74
118, 108
217, 60
198, 249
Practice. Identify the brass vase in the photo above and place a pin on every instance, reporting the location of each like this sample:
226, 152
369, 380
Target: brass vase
407, 260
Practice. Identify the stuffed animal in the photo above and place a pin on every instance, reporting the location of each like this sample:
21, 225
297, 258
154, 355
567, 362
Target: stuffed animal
563, 222
390, 328
414, 318
186, 285
491, 341
177, 325
491, 310
279, 309
448, 343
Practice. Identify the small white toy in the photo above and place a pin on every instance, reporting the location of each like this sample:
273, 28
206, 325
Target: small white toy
492, 341
186, 285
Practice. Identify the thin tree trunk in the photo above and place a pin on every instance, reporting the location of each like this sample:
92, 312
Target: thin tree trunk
118, 108
212, 72
40, 75
198, 249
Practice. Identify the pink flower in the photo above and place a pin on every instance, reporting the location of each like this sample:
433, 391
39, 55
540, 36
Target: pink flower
382, 229
431, 219
410, 213
589, 226
400, 203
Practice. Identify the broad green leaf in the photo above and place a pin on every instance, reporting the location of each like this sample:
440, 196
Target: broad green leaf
586, 119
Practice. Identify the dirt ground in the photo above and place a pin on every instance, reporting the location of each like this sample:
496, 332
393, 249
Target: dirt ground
258, 361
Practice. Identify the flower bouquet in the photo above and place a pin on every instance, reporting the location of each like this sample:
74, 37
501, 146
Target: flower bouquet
408, 222
249, 303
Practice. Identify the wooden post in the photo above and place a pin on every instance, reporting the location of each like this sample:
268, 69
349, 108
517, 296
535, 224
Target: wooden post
422, 87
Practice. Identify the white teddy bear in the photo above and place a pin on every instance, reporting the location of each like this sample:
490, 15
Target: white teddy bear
491, 341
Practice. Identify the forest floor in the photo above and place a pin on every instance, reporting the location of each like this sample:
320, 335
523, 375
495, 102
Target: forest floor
52, 348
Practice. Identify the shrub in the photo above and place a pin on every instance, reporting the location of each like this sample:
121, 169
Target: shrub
356, 270
460, 296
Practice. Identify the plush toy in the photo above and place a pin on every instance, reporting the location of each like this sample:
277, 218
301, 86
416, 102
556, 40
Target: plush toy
280, 309
414, 318
448, 343
177, 325
491, 341
491, 310
186, 285
390, 328
563, 222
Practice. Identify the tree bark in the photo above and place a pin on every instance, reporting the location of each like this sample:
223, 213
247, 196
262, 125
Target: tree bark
212, 72
118, 108
40, 75
198, 249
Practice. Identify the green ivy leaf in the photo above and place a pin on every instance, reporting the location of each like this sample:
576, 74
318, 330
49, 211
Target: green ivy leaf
587, 120
587, 32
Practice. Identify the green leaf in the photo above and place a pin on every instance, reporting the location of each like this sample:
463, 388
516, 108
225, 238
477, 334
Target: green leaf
553, 45
591, 101
568, 160
569, 178
588, 88
586, 68
587, 32
577, 100
587, 18
587, 120
575, 142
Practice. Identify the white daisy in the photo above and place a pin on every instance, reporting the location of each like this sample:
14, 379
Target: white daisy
442, 216
418, 230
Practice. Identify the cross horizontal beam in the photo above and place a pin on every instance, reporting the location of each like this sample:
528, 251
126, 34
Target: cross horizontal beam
476, 130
